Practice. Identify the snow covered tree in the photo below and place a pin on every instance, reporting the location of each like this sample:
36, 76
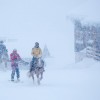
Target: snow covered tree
46, 52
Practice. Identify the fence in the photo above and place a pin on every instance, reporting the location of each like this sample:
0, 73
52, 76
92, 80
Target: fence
93, 53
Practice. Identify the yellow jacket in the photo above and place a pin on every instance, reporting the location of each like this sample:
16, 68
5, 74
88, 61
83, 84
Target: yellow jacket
36, 52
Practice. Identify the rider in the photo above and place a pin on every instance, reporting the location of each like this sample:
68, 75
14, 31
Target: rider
36, 53
14, 56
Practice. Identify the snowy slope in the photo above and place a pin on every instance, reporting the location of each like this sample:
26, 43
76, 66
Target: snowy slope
72, 82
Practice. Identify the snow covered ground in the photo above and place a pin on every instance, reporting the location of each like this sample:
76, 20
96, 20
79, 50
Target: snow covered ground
79, 81
24, 22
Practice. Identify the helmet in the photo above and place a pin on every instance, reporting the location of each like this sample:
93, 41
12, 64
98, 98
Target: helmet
36, 44
14, 50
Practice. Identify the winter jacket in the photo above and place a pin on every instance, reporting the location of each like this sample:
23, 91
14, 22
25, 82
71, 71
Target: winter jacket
14, 57
36, 52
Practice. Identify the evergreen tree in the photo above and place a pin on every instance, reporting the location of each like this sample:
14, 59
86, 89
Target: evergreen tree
45, 52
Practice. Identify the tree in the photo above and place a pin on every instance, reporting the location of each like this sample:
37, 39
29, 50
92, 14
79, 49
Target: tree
45, 52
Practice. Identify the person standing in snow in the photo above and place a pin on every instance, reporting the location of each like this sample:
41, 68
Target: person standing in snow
14, 57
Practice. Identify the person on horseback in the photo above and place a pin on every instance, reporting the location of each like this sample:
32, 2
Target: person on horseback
14, 56
36, 53
37, 64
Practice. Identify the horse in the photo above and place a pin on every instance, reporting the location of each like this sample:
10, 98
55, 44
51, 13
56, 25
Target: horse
37, 70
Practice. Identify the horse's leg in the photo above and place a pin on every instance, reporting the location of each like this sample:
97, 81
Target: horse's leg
41, 75
38, 79
32, 73
5, 64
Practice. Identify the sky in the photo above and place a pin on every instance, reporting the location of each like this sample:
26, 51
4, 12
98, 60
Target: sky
87, 11
28, 17
24, 22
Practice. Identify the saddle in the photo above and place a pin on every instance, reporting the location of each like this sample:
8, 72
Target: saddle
37, 64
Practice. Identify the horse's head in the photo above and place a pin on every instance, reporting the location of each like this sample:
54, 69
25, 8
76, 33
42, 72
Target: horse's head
40, 63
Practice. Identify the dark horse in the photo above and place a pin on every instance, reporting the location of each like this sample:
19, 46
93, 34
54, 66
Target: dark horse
37, 69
